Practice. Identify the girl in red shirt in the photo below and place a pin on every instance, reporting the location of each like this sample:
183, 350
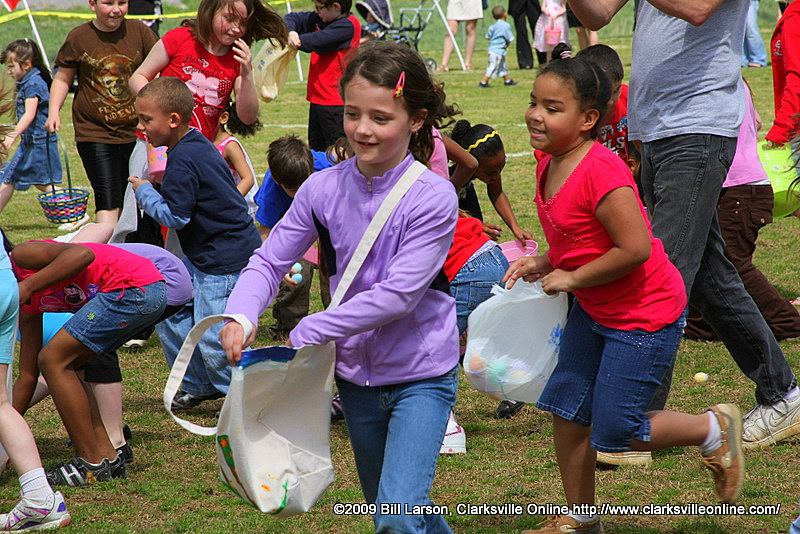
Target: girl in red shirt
624, 329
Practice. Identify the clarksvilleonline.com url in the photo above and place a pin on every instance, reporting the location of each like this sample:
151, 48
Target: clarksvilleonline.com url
552, 509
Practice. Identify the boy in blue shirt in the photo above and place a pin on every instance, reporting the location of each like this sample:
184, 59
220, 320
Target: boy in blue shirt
499, 35
199, 199
290, 163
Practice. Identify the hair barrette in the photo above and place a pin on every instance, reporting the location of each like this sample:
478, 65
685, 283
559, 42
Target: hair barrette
401, 83
566, 54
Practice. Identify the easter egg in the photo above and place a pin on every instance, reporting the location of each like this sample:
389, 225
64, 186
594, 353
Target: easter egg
297, 277
497, 369
476, 363
297, 267
701, 378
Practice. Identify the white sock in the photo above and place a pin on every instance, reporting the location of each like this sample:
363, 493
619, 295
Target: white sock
583, 518
713, 439
792, 395
35, 486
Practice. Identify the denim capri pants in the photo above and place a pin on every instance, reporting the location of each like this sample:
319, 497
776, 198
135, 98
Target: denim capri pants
110, 319
606, 378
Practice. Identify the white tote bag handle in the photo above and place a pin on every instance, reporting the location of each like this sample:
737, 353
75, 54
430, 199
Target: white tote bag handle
367, 240
182, 363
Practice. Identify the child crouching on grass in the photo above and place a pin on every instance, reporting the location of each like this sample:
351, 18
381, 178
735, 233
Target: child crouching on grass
626, 323
395, 330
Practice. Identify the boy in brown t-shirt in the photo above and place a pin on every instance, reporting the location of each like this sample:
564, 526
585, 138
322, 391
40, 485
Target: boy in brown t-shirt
103, 52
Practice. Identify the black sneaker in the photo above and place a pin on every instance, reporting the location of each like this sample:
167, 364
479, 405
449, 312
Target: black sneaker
79, 472
483, 85
508, 408
118, 467
510, 82
127, 452
126, 432
184, 401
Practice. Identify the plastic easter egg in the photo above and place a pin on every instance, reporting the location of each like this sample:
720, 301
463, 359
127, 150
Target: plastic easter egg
476, 363
297, 267
497, 370
297, 277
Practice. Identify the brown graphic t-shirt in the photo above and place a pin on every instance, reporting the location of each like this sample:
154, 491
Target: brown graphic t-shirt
103, 110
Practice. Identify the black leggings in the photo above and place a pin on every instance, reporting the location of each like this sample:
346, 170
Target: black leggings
106, 167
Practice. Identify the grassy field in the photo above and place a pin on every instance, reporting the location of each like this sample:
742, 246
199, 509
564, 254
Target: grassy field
173, 486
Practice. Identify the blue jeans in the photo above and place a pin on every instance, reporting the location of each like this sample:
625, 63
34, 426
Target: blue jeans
474, 281
754, 50
208, 370
396, 432
606, 378
682, 179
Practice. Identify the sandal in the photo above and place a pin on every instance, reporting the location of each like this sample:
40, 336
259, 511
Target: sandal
442, 68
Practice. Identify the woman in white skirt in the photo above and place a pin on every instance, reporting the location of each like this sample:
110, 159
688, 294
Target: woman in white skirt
470, 11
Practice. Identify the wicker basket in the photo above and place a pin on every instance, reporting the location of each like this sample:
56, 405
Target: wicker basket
63, 205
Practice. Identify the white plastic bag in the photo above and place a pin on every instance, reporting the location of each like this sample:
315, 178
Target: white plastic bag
512, 346
271, 68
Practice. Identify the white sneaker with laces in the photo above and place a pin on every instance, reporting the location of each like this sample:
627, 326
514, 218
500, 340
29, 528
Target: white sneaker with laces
765, 425
455, 439
28, 516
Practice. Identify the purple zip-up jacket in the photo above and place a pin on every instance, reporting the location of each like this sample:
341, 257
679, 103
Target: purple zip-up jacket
397, 321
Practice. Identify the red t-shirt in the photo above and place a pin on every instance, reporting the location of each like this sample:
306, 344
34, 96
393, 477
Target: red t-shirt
613, 132
111, 270
652, 295
325, 71
785, 52
209, 77
468, 238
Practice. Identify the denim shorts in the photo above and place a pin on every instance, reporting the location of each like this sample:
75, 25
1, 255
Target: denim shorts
9, 304
474, 281
605, 378
110, 319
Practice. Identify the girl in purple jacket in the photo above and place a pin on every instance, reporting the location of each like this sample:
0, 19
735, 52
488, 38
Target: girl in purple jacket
395, 330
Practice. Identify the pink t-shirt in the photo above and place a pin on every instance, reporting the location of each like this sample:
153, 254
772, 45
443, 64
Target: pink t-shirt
111, 270
648, 298
209, 77
746, 168
438, 160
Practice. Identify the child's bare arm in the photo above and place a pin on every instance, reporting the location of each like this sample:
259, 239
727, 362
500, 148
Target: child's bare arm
503, 207
55, 262
465, 163
244, 87
26, 120
235, 157
619, 213
154, 63
31, 339
58, 94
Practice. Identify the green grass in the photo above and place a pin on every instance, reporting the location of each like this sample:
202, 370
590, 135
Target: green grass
173, 485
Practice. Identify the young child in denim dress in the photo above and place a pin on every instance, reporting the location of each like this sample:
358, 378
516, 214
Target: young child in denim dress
36, 161
627, 320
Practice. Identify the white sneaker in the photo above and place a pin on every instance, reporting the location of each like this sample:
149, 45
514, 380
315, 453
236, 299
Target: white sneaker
134, 344
28, 516
455, 439
72, 226
765, 425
